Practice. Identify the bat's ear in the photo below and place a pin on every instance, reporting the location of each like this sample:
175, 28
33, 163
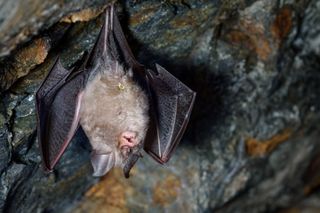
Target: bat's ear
102, 163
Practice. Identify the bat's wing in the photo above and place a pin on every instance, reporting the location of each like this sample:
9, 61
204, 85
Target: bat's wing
59, 97
172, 102
58, 104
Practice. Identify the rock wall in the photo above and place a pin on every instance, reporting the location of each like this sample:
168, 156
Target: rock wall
253, 141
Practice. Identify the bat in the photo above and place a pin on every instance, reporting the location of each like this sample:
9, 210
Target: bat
122, 106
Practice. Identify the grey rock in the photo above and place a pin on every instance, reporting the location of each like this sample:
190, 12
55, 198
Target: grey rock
252, 143
18, 24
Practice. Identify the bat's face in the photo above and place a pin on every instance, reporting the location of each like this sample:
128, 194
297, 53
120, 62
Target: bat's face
114, 115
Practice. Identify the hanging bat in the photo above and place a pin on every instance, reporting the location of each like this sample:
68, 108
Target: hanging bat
121, 106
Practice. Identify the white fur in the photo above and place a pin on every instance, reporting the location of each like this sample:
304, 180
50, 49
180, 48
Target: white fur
107, 111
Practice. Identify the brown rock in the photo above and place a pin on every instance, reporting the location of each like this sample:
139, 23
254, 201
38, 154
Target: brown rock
282, 24
109, 195
166, 191
24, 61
83, 15
257, 148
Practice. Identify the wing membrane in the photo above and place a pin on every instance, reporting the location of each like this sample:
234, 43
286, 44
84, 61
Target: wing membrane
58, 104
172, 102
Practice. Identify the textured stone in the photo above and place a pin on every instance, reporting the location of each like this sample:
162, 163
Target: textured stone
259, 148
252, 143
83, 15
18, 24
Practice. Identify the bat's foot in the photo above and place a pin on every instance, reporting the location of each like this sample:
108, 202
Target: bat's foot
127, 140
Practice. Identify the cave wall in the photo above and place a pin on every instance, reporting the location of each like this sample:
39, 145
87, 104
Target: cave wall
252, 142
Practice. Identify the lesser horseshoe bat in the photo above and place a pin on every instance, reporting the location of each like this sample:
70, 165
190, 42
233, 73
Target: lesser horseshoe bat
122, 106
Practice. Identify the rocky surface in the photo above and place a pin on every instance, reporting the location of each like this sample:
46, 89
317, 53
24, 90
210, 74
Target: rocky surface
252, 143
22, 19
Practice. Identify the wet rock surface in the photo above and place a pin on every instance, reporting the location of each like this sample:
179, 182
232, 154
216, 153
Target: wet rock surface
252, 143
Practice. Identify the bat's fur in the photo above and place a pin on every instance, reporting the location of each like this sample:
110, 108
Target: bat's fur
113, 103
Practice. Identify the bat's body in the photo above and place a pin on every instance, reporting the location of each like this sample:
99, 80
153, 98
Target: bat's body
121, 106
114, 115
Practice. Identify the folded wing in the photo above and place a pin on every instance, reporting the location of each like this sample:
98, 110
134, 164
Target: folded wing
57, 105
172, 102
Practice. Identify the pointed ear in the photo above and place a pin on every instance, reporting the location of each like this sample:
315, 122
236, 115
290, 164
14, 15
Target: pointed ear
102, 163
